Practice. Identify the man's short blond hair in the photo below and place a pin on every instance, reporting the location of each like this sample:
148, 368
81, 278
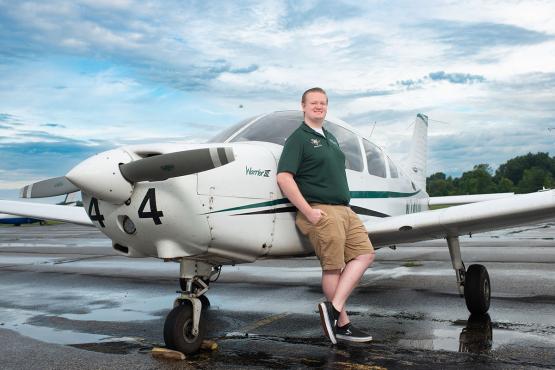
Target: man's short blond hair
312, 90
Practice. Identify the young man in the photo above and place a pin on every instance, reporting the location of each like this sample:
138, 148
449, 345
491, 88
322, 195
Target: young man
311, 173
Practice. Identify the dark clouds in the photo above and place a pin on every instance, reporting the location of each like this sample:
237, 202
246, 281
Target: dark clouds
454, 78
469, 38
53, 125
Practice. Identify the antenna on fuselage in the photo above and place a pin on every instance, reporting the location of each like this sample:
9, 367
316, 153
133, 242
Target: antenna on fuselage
373, 127
438, 121
431, 120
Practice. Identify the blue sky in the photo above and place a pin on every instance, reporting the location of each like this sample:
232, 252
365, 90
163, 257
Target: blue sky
79, 77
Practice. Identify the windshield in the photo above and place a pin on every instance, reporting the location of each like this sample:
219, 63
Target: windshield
274, 128
227, 132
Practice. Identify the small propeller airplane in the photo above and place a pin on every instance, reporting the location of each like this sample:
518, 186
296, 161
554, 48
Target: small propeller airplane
218, 203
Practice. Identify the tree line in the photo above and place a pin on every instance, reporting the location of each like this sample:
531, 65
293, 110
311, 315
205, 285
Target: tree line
522, 174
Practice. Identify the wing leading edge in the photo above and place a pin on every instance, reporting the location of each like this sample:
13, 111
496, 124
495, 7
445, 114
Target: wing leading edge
75, 215
464, 219
453, 200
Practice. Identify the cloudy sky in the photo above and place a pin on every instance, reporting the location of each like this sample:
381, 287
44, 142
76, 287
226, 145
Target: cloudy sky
78, 77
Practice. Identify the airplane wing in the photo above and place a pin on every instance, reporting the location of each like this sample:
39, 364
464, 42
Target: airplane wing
464, 219
76, 215
453, 200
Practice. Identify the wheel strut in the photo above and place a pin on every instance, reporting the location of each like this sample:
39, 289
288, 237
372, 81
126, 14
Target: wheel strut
456, 260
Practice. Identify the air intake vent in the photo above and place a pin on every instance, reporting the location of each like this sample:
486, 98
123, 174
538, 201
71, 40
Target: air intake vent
120, 248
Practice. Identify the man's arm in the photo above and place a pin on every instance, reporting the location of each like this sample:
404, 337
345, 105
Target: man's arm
291, 190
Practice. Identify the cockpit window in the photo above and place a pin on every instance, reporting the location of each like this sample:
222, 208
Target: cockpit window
375, 158
348, 142
392, 169
227, 132
278, 126
274, 128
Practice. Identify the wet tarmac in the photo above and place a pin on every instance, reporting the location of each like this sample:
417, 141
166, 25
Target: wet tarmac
68, 301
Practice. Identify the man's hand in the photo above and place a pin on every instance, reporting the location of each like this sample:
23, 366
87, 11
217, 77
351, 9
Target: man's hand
290, 189
314, 215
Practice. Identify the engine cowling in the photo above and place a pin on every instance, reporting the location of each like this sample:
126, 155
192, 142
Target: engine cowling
100, 176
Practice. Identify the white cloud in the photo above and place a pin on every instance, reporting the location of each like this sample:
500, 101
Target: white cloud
125, 70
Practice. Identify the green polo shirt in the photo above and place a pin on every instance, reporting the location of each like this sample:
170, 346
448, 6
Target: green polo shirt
317, 164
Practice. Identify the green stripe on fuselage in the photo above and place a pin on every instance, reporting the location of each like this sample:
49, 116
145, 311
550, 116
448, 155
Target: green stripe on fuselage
381, 194
354, 194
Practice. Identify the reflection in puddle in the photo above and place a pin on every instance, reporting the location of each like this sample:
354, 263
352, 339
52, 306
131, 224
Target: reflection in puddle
477, 336
16, 320
51, 335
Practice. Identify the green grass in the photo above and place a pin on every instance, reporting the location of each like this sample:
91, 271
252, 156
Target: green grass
412, 264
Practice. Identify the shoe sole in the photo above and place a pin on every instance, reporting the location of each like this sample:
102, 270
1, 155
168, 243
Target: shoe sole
324, 319
354, 339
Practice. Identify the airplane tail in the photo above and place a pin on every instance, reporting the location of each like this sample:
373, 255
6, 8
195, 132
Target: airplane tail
419, 151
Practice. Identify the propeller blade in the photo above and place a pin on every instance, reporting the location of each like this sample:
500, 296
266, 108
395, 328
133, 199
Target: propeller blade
48, 188
187, 162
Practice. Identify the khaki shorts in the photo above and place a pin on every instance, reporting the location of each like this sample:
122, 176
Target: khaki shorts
338, 237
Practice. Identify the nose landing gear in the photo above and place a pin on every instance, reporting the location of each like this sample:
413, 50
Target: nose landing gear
184, 329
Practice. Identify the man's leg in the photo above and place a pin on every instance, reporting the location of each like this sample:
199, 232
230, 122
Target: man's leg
330, 279
348, 279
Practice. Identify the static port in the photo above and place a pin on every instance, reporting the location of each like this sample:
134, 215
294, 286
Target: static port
128, 226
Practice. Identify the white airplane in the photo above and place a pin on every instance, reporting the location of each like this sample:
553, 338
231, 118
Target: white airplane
218, 203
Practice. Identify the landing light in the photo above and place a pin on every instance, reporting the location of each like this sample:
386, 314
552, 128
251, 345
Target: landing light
128, 226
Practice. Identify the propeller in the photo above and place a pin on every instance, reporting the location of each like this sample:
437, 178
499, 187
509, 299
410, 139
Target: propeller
48, 188
165, 166
110, 175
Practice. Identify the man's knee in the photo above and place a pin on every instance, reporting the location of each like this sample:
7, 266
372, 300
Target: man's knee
367, 259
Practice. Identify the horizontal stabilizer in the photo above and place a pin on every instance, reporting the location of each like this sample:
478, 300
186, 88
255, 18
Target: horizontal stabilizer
48, 188
75, 215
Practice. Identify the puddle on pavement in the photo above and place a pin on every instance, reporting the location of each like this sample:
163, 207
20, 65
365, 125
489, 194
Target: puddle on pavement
18, 319
112, 314
117, 346
15, 319
477, 336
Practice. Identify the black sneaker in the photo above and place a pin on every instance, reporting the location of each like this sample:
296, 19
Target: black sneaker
351, 334
328, 318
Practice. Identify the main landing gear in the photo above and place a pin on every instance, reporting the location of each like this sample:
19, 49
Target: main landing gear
473, 282
184, 328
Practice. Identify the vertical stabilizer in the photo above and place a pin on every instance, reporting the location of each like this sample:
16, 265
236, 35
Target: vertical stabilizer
419, 151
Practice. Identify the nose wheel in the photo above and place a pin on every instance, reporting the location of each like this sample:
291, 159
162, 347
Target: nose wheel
179, 328
185, 326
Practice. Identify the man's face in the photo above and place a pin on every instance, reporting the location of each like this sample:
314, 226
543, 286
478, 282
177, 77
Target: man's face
315, 106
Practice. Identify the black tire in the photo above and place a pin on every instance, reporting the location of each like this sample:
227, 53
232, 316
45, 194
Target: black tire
205, 302
178, 327
203, 299
477, 289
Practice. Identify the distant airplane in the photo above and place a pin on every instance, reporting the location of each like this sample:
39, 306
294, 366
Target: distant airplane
9, 219
214, 204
